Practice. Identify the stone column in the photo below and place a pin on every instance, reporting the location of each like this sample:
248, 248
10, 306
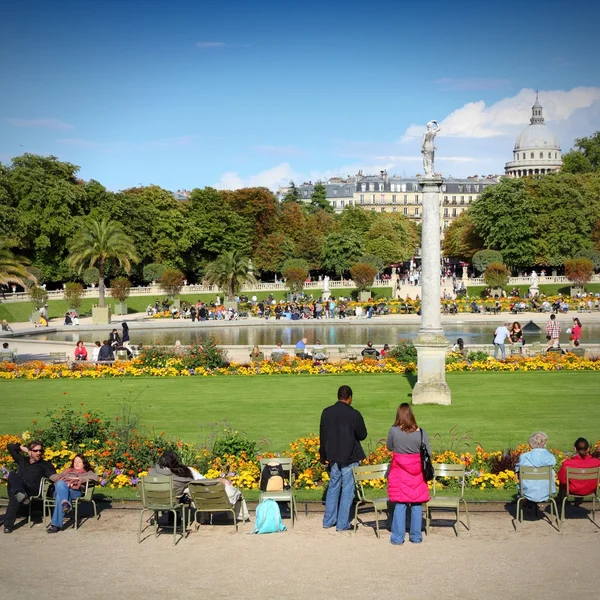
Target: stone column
431, 386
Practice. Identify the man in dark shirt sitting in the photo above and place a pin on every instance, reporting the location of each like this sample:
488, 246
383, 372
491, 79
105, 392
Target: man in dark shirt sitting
106, 353
25, 481
369, 351
342, 429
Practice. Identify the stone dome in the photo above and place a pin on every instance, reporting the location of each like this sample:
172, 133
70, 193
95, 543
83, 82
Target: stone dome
537, 149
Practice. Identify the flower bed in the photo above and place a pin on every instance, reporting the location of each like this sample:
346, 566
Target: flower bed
179, 367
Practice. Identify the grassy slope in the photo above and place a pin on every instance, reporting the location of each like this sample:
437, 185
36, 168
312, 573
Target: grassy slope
501, 409
15, 312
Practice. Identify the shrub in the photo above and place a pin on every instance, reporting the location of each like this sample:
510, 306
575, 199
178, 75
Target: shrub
295, 272
39, 296
373, 260
482, 259
73, 294
579, 270
156, 356
591, 254
153, 272
363, 275
477, 355
120, 288
233, 443
505, 461
405, 351
73, 427
496, 275
171, 281
91, 275
207, 355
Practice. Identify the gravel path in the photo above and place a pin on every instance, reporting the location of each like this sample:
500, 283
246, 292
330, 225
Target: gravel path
492, 562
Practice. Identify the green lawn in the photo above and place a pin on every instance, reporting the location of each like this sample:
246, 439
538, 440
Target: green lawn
16, 312
500, 409
548, 289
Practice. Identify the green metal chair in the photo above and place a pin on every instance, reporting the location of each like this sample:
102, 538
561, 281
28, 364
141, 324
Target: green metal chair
574, 474
210, 496
50, 502
447, 501
537, 474
158, 496
40, 496
283, 495
365, 497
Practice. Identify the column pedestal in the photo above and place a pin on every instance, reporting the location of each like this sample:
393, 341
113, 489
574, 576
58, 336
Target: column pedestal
431, 344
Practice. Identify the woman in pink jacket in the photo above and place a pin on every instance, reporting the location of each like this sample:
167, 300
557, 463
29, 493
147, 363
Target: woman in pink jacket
406, 485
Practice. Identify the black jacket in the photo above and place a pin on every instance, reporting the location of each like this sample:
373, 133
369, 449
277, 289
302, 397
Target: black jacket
106, 353
31, 473
342, 429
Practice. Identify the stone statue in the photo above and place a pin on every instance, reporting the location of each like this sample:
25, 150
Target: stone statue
534, 279
428, 149
326, 283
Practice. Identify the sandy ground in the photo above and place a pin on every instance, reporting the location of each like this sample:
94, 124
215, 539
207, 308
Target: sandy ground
492, 561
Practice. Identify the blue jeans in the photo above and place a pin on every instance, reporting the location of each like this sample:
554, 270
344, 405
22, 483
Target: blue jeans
337, 510
62, 493
399, 523
502, 349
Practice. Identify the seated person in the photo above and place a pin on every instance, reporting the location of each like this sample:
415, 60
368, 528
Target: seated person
96, 351
538, 456
68, 320
581, 459
25, 481
301, 350
80, 351
279, 350
319, 352
256, 354
385, 350
68, 485
369, 351
6, 326
169, 464
459, 347
106, 354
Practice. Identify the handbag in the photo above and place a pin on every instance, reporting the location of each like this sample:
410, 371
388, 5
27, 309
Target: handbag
426, 464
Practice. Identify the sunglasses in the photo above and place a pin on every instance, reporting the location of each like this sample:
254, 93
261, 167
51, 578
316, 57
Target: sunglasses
38, 450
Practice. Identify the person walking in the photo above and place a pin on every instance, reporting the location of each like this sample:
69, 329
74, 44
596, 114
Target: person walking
553, 332
406, 484
342, 429
500, 336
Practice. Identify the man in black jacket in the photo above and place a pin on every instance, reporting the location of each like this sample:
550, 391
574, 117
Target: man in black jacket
342, 429
25, 481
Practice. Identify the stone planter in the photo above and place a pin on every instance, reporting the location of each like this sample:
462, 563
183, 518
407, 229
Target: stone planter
496, 292
120, 308
176, 303
101, 315
230, 304
35, 317
576, 290
364, 296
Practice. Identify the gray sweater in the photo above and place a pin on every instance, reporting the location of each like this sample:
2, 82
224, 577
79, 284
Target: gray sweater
407, 443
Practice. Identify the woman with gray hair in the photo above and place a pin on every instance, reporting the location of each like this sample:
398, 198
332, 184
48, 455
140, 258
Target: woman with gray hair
538, 456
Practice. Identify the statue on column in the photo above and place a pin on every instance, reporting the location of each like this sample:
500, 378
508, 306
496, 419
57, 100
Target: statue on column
326, 284
428, 149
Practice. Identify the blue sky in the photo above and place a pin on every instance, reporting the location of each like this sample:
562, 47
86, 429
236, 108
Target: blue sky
187, 94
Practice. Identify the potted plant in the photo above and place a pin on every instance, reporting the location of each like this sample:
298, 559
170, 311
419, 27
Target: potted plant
363, 274
579, 271
171, 282
120, 288
73, 294
496, 276
39, 297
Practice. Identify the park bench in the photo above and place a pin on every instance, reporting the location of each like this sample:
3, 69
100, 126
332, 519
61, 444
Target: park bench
9, 356
58, 357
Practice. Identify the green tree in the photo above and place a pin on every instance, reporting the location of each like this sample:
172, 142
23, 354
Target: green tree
229, 272
90, 276
73, 294
460, 239
293, 194
272, 251
579, 270
496, 275
391, 237
372, 260
483, 258
363, 275
340, 251
356, 220
39, 296
319, 200
295, 272
99, 243
593, 255
585, 157
120, 288
152, 272
13, 268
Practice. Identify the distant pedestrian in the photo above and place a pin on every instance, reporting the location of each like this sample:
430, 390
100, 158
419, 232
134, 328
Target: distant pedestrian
553, 332
500, 336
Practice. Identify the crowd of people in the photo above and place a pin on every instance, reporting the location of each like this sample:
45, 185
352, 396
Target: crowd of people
105, 351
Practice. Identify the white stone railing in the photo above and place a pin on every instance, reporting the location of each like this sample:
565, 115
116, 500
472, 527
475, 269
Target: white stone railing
155, 290
527, 280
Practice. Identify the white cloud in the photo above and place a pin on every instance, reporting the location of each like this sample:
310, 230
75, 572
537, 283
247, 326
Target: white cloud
271, 178
44, 123
477, 120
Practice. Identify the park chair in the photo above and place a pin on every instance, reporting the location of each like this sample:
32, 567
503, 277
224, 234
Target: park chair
8, 356
578, 352
537, 474
121, 355
588, 474
351, 353
58, 357
367, 496
516, 349
447, 501
210, 496
283, 495
258, 358
533, 349
158, 496
278, 357
343, 354
86, 496
369, 353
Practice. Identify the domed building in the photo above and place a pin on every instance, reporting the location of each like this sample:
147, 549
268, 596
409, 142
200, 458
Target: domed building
537, 150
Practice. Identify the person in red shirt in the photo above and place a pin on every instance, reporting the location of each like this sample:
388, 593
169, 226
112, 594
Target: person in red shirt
80, 351
580, 460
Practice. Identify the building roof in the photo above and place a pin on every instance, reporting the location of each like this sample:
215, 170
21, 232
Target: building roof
537, 135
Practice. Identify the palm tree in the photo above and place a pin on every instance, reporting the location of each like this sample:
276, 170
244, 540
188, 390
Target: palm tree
229, 272
99, 243
13, 268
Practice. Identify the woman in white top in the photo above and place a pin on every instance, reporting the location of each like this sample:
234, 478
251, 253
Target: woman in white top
95, 351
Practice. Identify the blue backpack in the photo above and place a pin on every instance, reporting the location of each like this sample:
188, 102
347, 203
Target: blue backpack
268, 517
